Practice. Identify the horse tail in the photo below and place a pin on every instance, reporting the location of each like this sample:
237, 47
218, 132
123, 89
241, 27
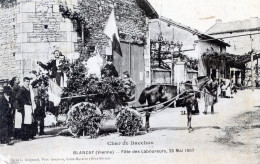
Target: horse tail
142, 98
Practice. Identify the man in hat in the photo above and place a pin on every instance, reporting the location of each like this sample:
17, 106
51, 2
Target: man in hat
6, 119
25, 108
109, 69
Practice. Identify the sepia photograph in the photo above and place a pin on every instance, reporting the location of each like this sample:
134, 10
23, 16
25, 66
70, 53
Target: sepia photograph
129, 81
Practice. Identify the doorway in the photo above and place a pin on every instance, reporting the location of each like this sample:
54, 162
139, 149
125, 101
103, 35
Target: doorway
132, 60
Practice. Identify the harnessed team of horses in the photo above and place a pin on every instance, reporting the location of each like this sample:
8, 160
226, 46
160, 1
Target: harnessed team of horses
168, 95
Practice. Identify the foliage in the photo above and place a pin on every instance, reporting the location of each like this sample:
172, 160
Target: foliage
77, 81
74, 15
84, 117
8, 3
109, 90
128, 123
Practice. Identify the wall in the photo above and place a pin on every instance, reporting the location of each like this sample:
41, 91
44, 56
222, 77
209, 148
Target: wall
132, 26
43, 30
8, 40
210, 46
40, 29
37, 28
130, 19
241, 45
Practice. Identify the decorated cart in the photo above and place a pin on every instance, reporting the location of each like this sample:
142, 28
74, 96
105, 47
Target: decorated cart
95, 104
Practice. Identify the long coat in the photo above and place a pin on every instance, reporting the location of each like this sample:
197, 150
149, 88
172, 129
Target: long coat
53, 69
5, 119
40, 98
51, 66
24, 98
13, 96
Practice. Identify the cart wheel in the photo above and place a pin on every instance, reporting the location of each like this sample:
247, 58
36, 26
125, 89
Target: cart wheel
84, 116
74, 130
129, 122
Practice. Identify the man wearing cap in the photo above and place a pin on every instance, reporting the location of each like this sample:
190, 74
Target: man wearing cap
6, 119
25, 107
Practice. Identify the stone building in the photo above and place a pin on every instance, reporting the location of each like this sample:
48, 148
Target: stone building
192, 46
243, 36
33, 29
237, 34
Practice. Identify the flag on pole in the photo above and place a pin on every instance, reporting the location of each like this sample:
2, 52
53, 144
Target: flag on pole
54, 92
112, 32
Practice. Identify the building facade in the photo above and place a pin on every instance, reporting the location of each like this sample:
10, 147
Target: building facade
33, 29
237, 34
193, 46
243, 37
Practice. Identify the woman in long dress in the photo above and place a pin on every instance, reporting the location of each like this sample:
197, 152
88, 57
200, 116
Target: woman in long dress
228, 90
208, 97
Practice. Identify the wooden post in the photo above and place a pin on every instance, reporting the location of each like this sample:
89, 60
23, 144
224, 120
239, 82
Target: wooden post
257, 66
252, 70
252, 67
172, 73
82, 34
159, 55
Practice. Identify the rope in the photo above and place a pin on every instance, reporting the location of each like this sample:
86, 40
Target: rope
171, 100
159, 106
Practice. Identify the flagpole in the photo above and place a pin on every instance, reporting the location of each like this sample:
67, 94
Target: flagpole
111, 31
110, 45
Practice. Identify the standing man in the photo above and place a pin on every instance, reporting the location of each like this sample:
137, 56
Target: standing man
15, 88
53, 67
23, 98
210, 95
41, 100
6, 119
215, 89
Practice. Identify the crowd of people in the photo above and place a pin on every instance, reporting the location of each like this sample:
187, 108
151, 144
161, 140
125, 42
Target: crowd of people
23, 107
22, 110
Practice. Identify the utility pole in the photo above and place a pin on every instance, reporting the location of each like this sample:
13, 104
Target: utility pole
252, 67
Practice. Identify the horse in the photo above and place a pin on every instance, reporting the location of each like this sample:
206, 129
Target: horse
161, 93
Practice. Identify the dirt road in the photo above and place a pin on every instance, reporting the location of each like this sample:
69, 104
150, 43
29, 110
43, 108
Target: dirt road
231, 135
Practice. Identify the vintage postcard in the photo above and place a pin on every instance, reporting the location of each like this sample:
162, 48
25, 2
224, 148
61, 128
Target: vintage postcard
129, 81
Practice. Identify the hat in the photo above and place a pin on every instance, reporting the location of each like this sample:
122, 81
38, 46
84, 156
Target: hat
7, 89
109, 57
126, 73
27, 78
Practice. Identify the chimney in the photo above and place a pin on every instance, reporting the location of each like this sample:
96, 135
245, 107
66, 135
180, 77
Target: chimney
253, 22
218, 21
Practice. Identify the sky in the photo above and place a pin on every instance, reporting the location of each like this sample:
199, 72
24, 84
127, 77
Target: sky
202, 14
